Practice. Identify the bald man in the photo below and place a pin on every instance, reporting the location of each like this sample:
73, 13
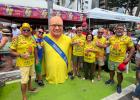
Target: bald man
57, 51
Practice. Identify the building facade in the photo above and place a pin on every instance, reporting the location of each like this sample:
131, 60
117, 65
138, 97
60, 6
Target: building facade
79, 5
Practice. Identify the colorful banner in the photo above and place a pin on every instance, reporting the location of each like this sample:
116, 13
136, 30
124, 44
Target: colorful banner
39, 13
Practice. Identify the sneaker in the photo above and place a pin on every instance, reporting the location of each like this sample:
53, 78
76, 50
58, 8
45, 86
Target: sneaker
109, 82
40, 83
92, 81
71, 77
119, 89
36, 80
83, 78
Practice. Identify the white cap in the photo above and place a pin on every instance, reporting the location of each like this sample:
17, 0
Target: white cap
13, 25
73, 28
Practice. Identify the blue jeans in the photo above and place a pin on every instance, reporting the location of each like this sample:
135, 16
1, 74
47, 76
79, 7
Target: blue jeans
137, 91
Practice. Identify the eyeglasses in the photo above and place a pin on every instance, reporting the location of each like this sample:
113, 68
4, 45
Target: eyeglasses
26, 30
54, 25
101, 32
40, 32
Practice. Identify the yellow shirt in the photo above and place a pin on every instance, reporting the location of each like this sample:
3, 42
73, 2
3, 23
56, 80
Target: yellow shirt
118, 47
55, 67
90, 56
100, 51
24, 45
78, 50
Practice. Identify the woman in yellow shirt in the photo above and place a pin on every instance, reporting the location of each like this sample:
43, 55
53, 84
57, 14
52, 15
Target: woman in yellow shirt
89, 58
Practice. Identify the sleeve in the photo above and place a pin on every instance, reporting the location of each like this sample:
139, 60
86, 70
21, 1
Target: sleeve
130, 42
35, 44
69, 58
14, 43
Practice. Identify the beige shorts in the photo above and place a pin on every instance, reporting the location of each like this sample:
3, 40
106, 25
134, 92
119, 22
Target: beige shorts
25, 72
113, 66
100, 61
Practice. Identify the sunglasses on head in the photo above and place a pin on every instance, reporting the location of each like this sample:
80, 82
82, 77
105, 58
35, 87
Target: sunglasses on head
26, 30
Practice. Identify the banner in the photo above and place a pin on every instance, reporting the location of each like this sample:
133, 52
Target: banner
39, 13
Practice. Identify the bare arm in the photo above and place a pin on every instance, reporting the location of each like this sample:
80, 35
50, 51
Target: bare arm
13, 52
101, 45
36, 56
3, 42
128, 58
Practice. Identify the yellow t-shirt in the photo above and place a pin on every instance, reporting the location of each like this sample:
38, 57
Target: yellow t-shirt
90, 56
78, 50
100, 51
118, 47
24, 45
55, 67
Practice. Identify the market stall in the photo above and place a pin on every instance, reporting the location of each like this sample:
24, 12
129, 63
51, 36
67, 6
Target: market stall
36, 10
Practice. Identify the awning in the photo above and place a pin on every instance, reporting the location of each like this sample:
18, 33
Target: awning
98, 13
37, 9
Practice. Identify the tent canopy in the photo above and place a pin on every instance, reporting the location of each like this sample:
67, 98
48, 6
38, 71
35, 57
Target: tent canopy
98, 13
34, 4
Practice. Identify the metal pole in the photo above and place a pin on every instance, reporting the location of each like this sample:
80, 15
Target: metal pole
50, 10
82, 6
89, 22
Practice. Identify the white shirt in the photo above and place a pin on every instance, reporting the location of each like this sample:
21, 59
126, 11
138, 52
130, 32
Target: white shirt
95, 32
71, 35
15, 32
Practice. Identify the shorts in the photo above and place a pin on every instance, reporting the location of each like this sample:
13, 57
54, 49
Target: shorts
113, 66
25, 72
100, 61
77, 59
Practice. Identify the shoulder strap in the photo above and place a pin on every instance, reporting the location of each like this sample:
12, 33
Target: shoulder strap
56, 48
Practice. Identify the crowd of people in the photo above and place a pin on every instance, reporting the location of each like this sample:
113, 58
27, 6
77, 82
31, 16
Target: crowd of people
59, 55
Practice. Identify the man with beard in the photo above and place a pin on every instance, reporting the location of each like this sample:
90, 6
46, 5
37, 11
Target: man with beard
119, 44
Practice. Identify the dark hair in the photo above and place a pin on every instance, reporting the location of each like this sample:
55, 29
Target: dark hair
89, 34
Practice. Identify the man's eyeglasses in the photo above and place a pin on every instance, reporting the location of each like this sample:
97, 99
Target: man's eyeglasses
40, 32
101, 32
54, 25
26, 30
